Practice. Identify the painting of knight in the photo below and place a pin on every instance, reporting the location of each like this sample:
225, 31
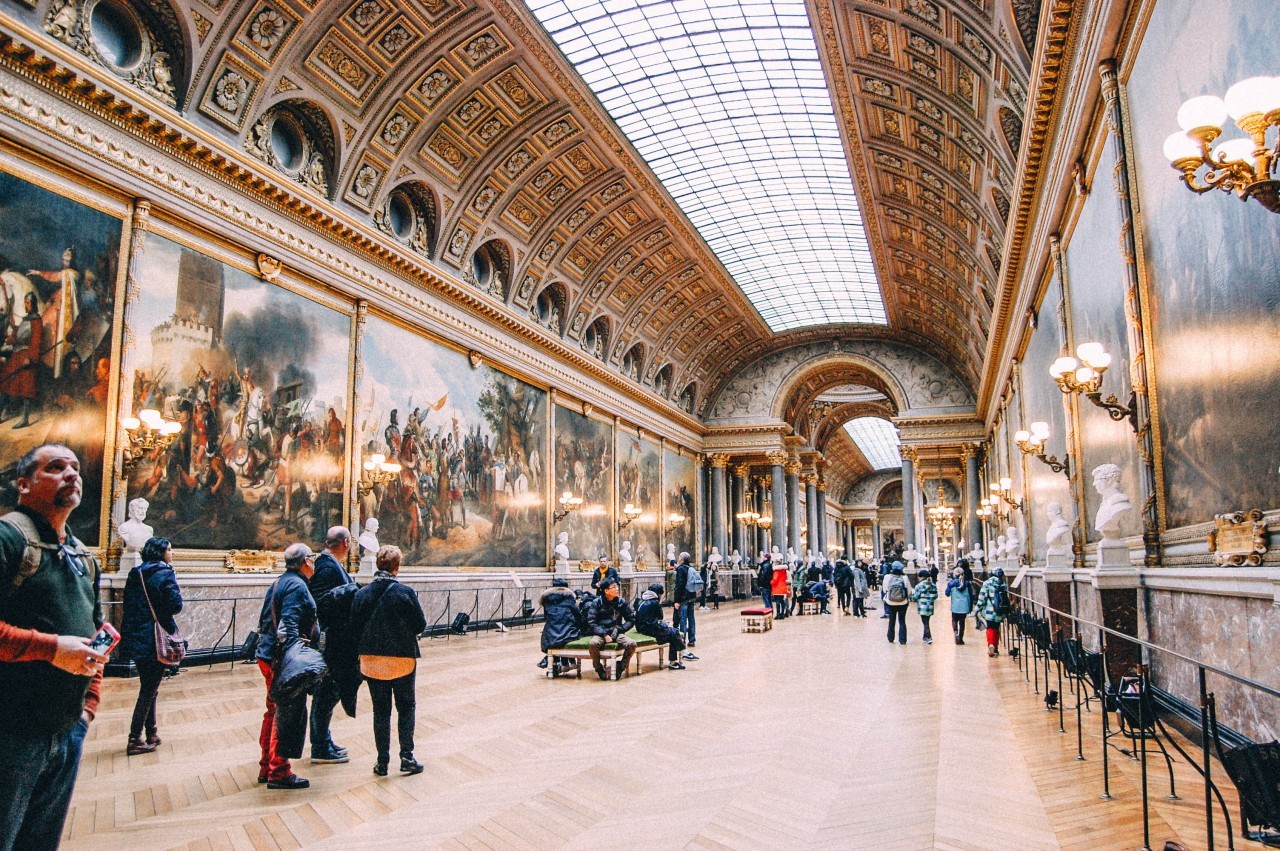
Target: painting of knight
58, 262
471, 445
680, 479
256, 375
584, 467
640, 483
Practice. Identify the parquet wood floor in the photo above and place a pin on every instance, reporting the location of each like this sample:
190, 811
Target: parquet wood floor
817, 734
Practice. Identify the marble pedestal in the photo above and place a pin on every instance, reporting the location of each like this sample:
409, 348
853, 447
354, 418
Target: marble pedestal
1116, 582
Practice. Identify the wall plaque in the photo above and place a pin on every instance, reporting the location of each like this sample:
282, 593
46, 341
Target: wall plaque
1239, 538
250, 561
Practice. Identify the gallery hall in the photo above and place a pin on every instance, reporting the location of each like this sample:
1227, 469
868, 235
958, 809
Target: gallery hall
575, 423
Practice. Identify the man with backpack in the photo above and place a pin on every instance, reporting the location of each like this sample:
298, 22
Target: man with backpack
689, 584
49, 611
897, 594
764, 578
843, 577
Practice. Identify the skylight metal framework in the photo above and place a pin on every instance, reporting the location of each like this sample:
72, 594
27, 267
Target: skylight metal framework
877, 440
727, 102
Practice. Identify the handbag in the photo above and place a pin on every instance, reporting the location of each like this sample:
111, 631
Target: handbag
171, 647
249, 649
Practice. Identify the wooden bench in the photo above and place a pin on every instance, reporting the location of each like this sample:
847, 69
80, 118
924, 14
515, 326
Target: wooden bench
575, 651
757, 620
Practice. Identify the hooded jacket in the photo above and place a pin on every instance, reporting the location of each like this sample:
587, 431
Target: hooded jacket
562, 617
648, 613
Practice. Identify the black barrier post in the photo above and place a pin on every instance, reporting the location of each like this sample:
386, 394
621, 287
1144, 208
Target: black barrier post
1106, 762
1204, 743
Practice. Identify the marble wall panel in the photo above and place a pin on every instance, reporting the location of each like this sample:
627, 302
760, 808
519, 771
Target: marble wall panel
1087, 608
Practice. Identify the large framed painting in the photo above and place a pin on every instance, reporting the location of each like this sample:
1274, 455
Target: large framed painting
1213, 266
680, 496
471, 444
58, 262
257, 376
640, 483
584, 467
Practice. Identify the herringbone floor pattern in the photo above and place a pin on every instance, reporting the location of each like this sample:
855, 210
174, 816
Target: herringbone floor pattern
818, 734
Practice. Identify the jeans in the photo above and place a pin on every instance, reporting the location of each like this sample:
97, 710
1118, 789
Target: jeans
382, 692
150, 673
688, 620
897, 614
957, 624
37, 774
925, 620
767, 598
781, 609
322, 704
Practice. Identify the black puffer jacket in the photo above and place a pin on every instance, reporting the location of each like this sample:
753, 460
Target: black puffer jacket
648, 613
562, 617
138, 638
609, 617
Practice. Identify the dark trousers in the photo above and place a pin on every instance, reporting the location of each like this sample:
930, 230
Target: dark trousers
844, 596
322, 704
37, 774
664, 634
767, 598
897, 614
925, 620
689, 621
859, 606
957, 625
150, 674
781, 607
383, 692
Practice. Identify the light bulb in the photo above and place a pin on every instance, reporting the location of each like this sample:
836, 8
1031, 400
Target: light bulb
1084, 375
377, 458
151, 417
1203, 111
170, 427
1062, 366
1088, 351
1022, 437
1252, 96
1040, 429
1006, 483
369, 465
1180, 146
130, 423
1234, 150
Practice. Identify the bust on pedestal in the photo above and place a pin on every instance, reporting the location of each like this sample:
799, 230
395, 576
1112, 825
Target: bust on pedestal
134, 532
671, 553
1012, 547
715, 560
1057, 539
1112, 551
792, 558
735, 560
368, 542
626, 564
562, 552
910, 556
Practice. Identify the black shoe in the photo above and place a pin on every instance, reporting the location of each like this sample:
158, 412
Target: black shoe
676, 665
543, 663
689, 656
262, 778
329, 757
409, 765
380, 768
619, 669
293, 781
601, 672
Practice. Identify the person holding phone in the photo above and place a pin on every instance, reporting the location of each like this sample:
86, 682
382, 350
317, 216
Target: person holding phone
151, 596
50, 674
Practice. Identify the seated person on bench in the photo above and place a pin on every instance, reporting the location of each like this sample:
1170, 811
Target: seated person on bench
819, 592
649, 622
563, 617
608, 619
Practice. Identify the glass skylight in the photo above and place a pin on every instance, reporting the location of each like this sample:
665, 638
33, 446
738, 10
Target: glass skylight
877, 440
727, 102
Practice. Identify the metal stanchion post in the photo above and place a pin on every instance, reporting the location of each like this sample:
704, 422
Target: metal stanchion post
1204, 745
1142, 743
1106, 761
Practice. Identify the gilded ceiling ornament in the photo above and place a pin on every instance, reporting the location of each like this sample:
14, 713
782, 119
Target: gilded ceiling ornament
518, 162
343, 65
269, 267
481, 48
526, 287
434, 85
613, 192
393, 132
458, 242
921, 44
543, 178
577, 218
976, 46
926, 108
267, 29
395, 40
484, 199
548, 250
654, 238
366, 182
557, 131
491, 129
879, 32
513, 89
229, 90
367, 13
923, 9
470, 110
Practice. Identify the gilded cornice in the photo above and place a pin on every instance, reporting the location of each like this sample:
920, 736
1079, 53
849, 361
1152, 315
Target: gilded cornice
175, 140
1057, 37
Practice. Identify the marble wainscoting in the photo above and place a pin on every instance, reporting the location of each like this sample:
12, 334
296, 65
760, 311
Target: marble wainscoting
218, 610
1087, 608
1238, 634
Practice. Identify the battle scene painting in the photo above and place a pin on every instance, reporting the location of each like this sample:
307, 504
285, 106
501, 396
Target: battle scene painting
58, 262
470, 442
256, 375
640, 483
584, 467
680, 484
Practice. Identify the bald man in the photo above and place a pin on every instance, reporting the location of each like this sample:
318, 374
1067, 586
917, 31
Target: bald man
333, 590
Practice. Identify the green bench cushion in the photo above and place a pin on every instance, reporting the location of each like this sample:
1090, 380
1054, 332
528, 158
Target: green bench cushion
584, 643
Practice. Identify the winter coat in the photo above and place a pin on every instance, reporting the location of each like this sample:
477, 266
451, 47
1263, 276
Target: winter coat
137, 636
387, 619
961, 596
334, 591
609, 618
682, 578
563, 617
597, 577
781, 583
988, 598
288, 612
648, 613
843, 576
764, 577
860, 587
925, 595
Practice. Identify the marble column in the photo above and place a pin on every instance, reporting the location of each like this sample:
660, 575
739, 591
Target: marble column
973, 497
877, 543
850, 541
738, 504
811, 510
909, 496
778, 497
759, 534
821, 497
794, 520
719, 536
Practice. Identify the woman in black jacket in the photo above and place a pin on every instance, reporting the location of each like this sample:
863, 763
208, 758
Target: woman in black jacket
154, 580
388, 619
563, 618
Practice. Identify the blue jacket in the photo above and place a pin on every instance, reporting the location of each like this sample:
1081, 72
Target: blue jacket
962, 599
925, 595
137, 638
288, 612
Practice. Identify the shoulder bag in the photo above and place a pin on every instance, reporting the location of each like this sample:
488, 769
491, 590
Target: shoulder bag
171, 647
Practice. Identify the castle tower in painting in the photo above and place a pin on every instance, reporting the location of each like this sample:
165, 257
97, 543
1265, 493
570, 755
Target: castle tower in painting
196, 326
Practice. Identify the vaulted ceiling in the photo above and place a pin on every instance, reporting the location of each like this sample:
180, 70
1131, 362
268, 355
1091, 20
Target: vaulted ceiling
462, 116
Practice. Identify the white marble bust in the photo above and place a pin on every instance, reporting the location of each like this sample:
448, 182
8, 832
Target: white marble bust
625, 561
1058, 538
368, 542
671, 553
134, 532
1115, 504
999, 551
715, 559
562, 551
910, 555
1012, 542
735, 560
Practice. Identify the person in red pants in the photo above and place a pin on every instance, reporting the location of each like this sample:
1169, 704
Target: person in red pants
993, 605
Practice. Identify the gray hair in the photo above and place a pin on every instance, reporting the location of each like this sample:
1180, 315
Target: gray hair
295, 555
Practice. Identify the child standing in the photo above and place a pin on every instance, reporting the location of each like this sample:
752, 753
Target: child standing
925, 595
961, 594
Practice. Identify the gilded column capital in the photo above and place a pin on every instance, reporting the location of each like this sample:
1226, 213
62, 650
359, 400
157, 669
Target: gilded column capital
908, 453
822, 484
810, 480
778, 458
718, 459
968, 450
742, 470
793, 468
